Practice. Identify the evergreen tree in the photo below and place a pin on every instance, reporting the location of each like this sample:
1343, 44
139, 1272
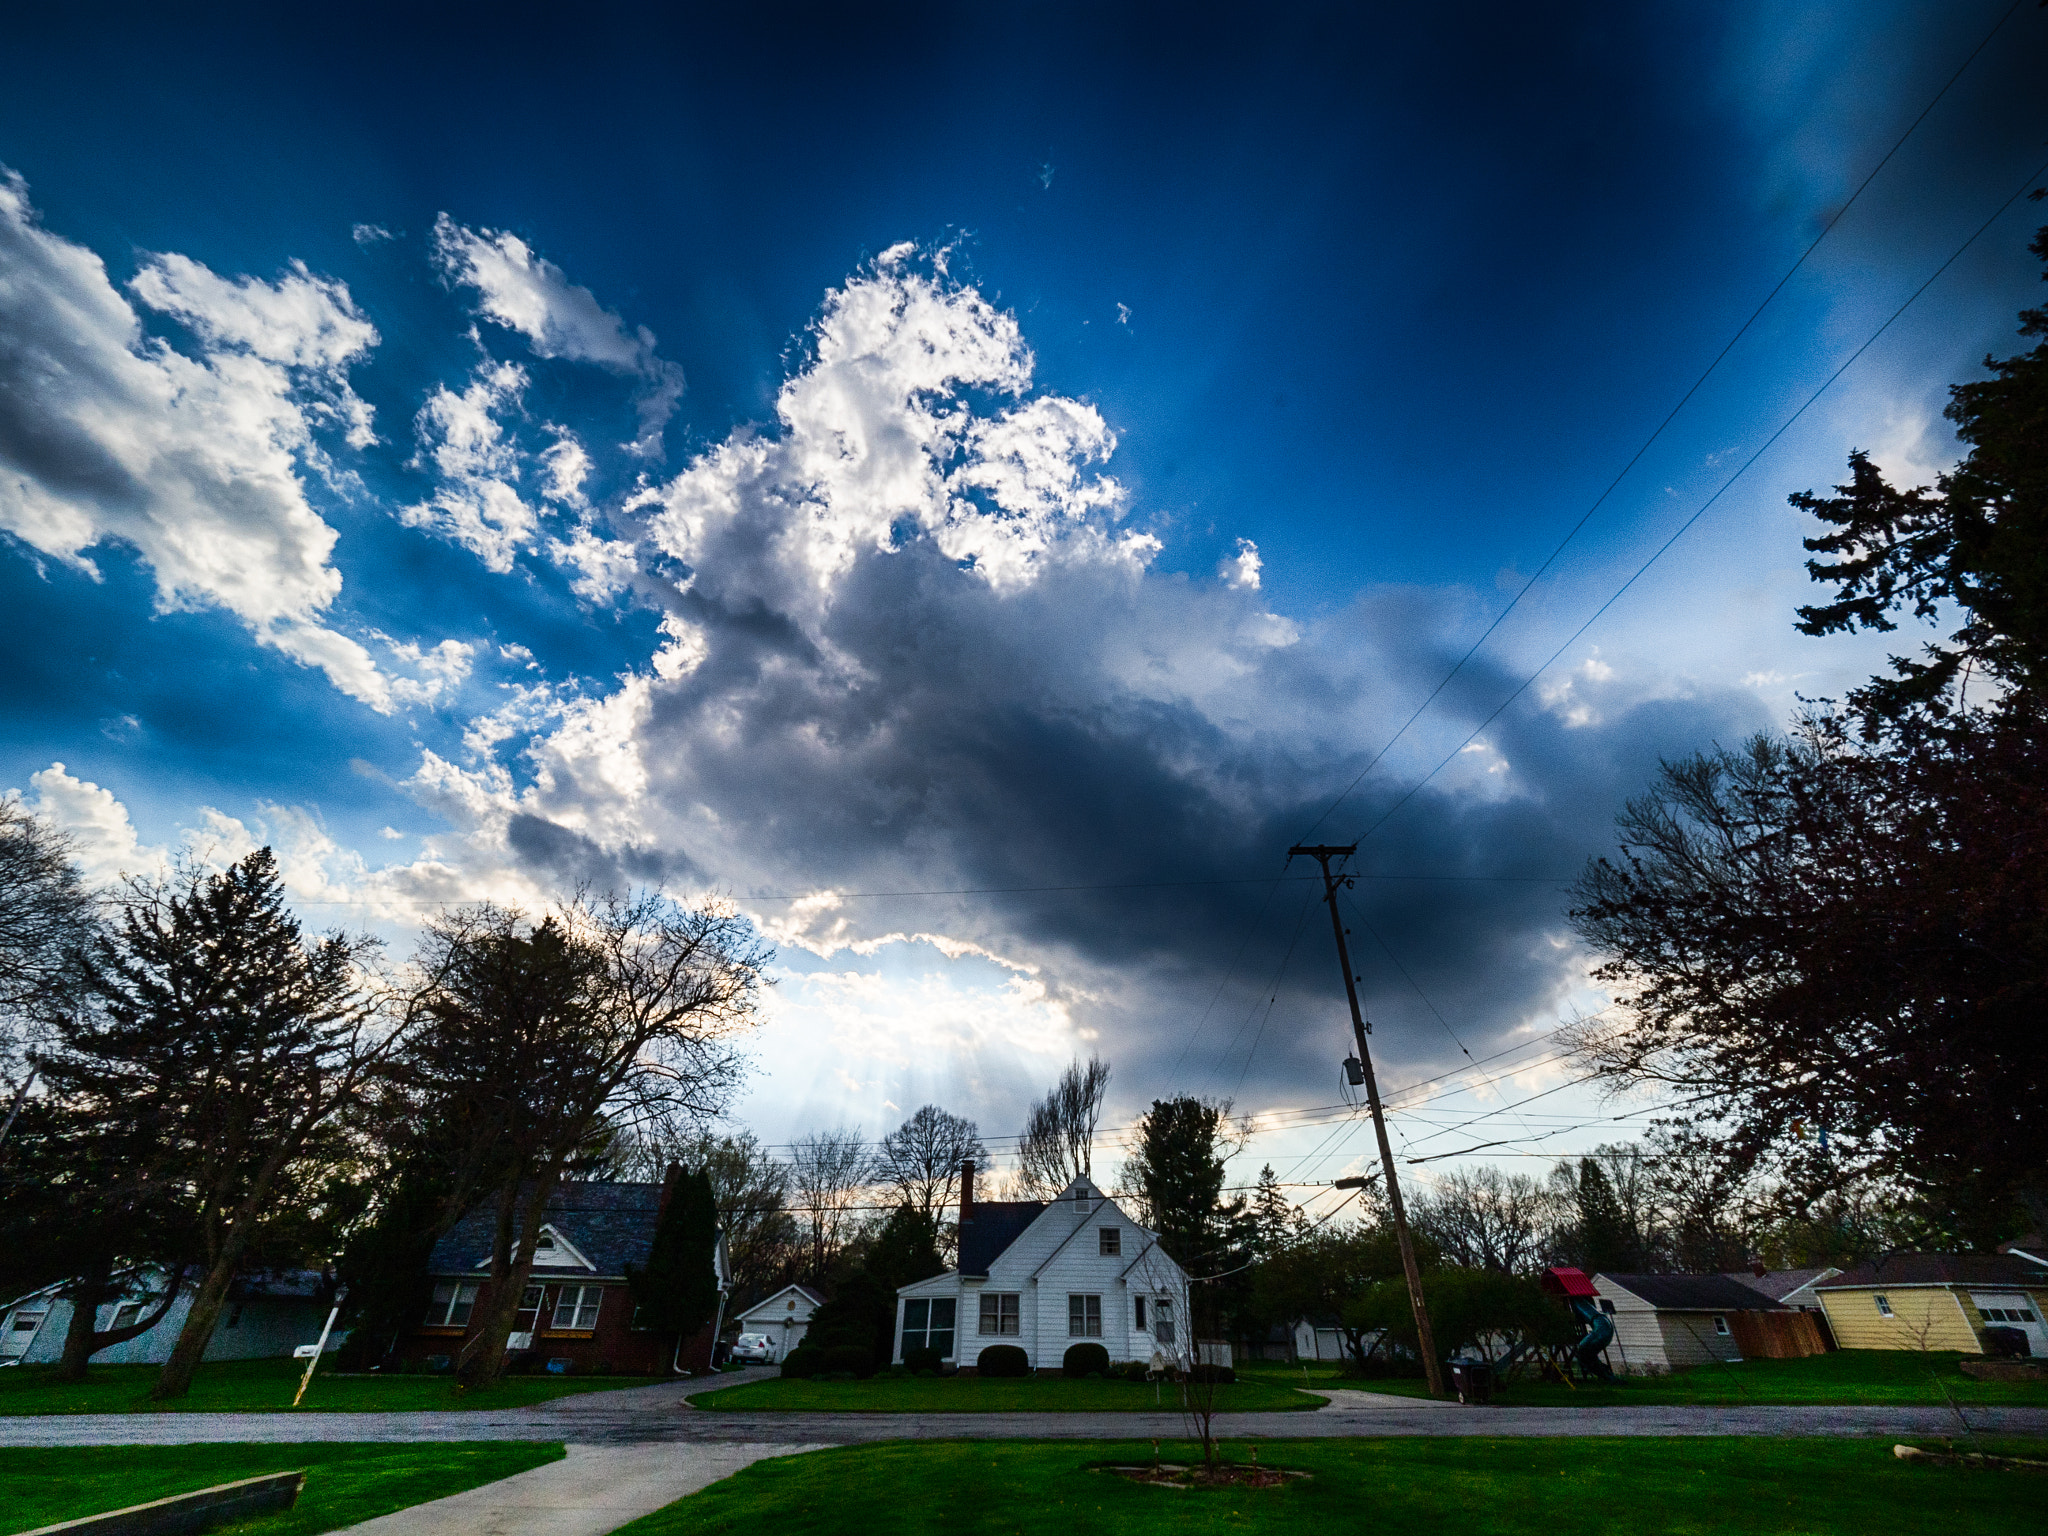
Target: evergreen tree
906, 1250
1276, 1221
1177, 1167
229, 1045
1604, 1243
678, 1290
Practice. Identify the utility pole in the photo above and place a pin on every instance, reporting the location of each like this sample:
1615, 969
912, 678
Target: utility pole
1425, 1340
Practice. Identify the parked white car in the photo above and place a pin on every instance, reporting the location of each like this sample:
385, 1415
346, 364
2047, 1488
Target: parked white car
753, 1349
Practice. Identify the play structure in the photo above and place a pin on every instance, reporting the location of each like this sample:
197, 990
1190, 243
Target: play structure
1575, 1289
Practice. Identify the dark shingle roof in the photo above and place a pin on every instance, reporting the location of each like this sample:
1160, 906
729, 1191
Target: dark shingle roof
612, 1225
1940, 1269
1693, 1293
1777, 1283
994, 1225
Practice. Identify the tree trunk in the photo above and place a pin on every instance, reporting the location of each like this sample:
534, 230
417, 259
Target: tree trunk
175, 1379
511, 1268
87, 1297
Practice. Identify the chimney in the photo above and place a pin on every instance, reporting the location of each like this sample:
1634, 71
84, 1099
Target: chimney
966, 1189
1757, 1268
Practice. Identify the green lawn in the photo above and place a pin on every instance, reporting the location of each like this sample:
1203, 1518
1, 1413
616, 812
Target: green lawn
1846, 1376
344, 1483
251, 1386
975, 1394
1471, 1487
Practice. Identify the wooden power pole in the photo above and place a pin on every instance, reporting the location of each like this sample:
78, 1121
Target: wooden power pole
1332, 883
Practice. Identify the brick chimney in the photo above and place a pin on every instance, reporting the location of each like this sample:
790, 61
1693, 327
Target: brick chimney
966, 1189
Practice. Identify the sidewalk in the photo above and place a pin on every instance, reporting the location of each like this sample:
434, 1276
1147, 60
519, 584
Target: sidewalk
594, 1489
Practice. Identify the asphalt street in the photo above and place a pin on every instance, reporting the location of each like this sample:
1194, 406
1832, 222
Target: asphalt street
659, 1414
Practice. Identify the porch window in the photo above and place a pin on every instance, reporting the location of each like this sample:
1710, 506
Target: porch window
1162, 1320
451, 1305
928, 1324
1112, 1241
1000, 1313
576, 1307
527, 1318
1084, 1317
1884, 1306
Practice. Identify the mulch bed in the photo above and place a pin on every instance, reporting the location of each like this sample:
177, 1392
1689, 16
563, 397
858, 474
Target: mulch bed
1225, 1474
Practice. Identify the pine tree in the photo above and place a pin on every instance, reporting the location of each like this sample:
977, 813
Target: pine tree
235, 1044
1276, 1220
678, 1290
1604, 1244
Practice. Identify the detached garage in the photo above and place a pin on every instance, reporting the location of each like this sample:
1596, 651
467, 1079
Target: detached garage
1670, 1322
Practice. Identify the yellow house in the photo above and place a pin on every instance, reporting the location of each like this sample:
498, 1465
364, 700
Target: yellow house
1936, 1301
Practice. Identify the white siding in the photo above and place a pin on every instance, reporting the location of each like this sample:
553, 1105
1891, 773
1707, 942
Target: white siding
1057, 1256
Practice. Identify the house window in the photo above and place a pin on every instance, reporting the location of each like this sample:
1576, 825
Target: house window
576, 1307
1138, 1313
1162, 1320
1112, 1239
999, 1312
1884, 1306
929, 1325
527, 1318
1084, 1317
1607, 1306
26, 1321
1720, 1325
451, 1306
125, 1315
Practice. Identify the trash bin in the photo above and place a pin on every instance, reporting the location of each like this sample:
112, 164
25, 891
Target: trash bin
1473, 1380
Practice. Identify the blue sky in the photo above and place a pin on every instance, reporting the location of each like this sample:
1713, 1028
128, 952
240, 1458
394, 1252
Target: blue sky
1387, 297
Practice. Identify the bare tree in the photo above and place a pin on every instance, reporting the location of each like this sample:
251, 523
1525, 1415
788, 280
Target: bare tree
46, 917
922, 1157
750, 1187
538, 1038
828, 1170
1485, 1219
1059, 1134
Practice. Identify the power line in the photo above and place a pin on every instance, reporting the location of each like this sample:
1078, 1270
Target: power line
1671, 416
1705, 506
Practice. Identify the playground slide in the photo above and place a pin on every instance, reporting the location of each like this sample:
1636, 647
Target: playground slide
1599, 1334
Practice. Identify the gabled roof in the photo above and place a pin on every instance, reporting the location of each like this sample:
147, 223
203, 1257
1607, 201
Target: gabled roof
802, 1290
994, 1225
1691, 1293
1940, 1269
610, 1225
1780, 1283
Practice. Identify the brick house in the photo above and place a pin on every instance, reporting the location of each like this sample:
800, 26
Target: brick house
577, 1314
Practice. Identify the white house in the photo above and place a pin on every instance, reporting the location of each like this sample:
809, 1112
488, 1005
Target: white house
1046, 1275
785, 1317
267, 1315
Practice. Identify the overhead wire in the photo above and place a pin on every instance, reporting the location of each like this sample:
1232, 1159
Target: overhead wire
1670, 416
1708, 504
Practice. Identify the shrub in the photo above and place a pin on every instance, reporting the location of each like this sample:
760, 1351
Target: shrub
801, 1361
923, 1362
1003, 1360
1130, 1370
846, 1359
1084, 1360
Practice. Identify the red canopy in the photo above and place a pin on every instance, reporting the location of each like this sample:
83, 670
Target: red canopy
1565, 1281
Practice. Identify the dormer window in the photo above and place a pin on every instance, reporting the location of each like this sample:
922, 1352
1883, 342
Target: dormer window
1111, 1240
546, 1243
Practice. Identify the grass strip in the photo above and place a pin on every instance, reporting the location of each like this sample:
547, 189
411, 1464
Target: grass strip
1588, 1487
344, 1483
976, 1394
266, 1386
